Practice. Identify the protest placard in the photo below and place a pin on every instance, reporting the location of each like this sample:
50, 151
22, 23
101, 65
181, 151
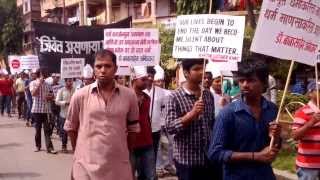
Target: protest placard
222, 66
123, 71
289, 29
211, 36
19, 63
134, 46
72, 67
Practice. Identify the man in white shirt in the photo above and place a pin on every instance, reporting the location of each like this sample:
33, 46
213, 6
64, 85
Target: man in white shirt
63, 100
213, 82
157, 95
271, 93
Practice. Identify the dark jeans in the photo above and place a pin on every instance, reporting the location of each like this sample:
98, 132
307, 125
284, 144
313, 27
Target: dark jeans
6, 104
156, 139
208, 172
42, 118
63, 133
143, 162
21, 104
29, 106
56, 118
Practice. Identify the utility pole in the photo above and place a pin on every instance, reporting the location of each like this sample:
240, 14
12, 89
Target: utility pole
85, 11
64, 12
108, 11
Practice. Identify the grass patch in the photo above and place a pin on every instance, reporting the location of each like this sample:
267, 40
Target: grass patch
285, 161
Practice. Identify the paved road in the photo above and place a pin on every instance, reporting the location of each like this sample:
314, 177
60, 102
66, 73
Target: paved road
18, 161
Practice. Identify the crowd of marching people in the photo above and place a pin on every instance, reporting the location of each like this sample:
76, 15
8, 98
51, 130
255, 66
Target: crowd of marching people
120, 129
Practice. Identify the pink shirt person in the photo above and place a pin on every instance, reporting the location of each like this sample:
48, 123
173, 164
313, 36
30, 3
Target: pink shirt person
102, 151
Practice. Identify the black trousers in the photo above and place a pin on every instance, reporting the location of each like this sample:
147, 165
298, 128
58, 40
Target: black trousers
42, 118
156, 140
21, 104
207, 172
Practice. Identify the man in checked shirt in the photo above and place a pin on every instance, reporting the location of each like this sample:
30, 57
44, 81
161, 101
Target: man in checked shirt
189, 119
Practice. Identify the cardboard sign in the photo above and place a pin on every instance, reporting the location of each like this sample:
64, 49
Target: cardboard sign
123, 71
222, 66
19, 63
289, 29
72, 67
211, 36
133, 47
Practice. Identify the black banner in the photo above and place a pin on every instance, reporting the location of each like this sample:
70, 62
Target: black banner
55, 41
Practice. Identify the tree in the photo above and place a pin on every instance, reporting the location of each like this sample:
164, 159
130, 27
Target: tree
192, 7
11, 28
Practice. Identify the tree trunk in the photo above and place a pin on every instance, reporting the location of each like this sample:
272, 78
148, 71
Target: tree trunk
251, 16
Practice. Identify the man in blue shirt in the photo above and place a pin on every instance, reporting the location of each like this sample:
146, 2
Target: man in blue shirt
242, 131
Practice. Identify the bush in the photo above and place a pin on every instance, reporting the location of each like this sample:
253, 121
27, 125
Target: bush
291, 98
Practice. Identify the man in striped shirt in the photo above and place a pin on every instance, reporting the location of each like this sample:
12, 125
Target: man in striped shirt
41, 96
306, 130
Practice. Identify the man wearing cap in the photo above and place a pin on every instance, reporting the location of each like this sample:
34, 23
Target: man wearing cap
213, 83
102, 120
142, 152
306, 130
88, 77
157, 96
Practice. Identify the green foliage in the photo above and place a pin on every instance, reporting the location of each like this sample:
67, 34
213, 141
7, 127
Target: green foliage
166, 60
285, 161
166, 41
192, 7
292, 98
11, 28
248, 36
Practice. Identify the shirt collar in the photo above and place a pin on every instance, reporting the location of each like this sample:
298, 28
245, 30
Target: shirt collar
241, 105
94, 87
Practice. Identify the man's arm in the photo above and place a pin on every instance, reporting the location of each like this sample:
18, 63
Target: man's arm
176, 123
35, 87
298, 131
73, 119
222, 133
73, 135
59, 99
133, 125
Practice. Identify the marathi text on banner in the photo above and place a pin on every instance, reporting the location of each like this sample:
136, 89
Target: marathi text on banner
134, 47
289, 29
72, 67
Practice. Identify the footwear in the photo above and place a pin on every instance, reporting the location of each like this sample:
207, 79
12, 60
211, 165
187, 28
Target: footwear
64, 150
37, 150
52, 152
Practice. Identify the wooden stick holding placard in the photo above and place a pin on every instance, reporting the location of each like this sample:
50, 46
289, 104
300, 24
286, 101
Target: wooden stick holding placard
283, 98
203, 75
317, 85
222, 84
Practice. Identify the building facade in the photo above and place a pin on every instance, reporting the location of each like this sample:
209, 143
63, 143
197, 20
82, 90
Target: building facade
94, 12
31, 12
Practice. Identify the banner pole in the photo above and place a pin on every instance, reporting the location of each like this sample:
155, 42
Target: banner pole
317, 85
283, 98
222, 77
203, 74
